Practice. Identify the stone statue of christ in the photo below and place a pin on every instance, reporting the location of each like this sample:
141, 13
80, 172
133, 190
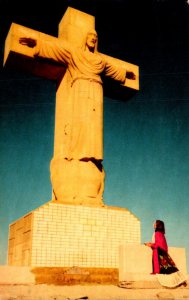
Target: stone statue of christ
85, 65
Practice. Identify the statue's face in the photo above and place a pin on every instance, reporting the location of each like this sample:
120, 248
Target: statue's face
91, 40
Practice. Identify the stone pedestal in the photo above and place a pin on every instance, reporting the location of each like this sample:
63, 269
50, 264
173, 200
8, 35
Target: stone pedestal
61, 235
135, 262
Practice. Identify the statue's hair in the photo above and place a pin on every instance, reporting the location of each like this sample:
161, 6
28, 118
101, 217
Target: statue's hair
85, 40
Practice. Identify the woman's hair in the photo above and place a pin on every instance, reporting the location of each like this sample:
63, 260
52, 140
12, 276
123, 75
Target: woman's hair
160, 226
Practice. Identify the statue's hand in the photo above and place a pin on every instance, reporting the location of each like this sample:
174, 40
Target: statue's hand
30, 42
130, 75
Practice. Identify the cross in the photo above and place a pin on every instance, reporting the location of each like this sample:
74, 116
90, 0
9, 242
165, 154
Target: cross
77, 174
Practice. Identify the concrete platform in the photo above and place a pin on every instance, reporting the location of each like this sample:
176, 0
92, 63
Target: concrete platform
16, 275
135, 261
19, 283
12, 275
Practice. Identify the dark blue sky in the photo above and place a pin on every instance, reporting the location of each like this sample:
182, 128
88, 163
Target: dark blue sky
146, 138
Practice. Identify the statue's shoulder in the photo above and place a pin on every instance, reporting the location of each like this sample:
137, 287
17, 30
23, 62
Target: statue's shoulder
65, 45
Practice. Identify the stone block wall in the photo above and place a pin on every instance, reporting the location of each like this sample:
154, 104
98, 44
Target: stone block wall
19, 244
72, 235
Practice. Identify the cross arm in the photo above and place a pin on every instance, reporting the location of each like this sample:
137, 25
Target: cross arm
128, 67
20, 58
114, 89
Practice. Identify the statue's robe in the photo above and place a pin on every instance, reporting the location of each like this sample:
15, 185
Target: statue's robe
84, 131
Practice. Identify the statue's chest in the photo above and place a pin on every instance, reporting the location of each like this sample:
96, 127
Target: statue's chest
90, 61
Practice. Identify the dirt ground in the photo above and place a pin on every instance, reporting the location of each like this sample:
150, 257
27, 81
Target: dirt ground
90, 292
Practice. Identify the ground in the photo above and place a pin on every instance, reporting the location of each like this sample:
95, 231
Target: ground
91, 292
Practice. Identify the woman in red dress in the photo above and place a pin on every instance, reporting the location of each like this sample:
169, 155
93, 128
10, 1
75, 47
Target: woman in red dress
161, 261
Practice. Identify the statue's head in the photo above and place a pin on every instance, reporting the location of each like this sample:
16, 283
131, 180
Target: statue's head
91, 40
